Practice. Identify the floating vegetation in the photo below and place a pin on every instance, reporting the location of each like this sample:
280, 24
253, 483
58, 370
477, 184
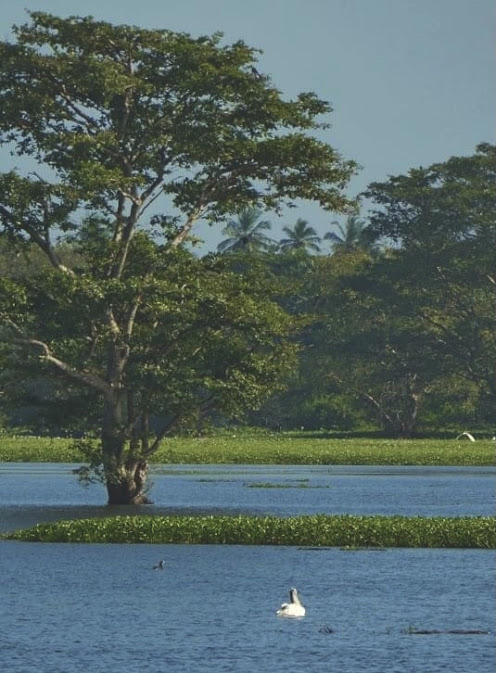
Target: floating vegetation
268, 484
437, 632
296, 483
277, 449
349, 531
363, 548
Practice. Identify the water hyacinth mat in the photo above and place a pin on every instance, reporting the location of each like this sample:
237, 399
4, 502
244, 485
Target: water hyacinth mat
308, 530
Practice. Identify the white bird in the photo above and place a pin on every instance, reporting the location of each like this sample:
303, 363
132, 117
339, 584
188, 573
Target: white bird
466, 435
292, 609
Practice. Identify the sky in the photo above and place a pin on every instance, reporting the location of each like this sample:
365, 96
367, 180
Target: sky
411, 82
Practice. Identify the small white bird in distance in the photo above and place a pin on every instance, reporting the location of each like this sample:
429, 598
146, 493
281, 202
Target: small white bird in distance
466, 435
292, 609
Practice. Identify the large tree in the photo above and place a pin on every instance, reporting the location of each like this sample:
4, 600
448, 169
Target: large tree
119, 119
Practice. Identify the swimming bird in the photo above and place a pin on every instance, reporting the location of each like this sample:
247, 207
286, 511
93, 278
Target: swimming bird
292, 609
159, 566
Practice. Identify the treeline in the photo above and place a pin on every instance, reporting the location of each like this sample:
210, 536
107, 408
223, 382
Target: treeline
391, 329
398, 328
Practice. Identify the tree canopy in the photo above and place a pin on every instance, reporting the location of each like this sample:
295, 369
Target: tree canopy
443, 204
137, 134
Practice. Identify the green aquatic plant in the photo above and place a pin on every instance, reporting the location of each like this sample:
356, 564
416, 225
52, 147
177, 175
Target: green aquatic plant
278, 449
295, 483
349, 531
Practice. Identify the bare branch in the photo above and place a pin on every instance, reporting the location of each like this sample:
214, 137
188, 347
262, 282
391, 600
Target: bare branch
166, 430
82, 376
43, 243
112, 322
132, 317
188, 225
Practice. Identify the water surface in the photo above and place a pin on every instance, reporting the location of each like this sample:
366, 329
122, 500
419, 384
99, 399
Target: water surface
76, 608
31, 492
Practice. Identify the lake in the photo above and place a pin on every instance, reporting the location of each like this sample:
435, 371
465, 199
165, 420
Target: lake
70, 608
33, 492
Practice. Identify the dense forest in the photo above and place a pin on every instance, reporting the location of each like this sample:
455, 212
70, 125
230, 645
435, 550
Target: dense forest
400, 316
114, 326
390, 323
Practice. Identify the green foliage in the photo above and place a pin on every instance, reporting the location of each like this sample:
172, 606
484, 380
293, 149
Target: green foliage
246, 233
404, 341
283, 449
354, 236
316, 531
298, 450
300, 237
120, 118
28, 449
134, 333
438, 206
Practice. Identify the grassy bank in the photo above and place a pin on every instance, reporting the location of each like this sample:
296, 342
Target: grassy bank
274, 449
315, 531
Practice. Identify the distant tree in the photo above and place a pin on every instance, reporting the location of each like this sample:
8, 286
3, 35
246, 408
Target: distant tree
300, 237
417, 329
355, 235
443, 217
246, 234
439, 206
407, 340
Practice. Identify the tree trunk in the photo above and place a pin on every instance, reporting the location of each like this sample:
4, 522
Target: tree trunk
403, 420
125, 469
126, 484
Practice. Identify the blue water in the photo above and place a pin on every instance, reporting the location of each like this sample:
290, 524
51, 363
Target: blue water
101, 608
39, 492
71, 608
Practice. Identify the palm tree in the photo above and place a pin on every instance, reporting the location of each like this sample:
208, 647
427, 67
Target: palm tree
300, 237
246, 233
355, 235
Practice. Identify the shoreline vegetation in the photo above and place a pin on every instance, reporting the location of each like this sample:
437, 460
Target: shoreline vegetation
279, 449
349, 532
319, 531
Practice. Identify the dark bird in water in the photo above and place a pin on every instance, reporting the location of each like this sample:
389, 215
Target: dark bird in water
159, 566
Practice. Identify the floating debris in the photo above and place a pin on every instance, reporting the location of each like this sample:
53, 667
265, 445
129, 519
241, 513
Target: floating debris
440, 632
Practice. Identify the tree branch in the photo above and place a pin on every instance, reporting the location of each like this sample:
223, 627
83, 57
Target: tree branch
43, 243
83, 377
188, 225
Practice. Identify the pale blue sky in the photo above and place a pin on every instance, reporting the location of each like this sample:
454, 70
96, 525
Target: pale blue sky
412, 82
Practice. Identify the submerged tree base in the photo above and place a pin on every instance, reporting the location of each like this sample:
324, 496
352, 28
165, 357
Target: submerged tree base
316, 531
